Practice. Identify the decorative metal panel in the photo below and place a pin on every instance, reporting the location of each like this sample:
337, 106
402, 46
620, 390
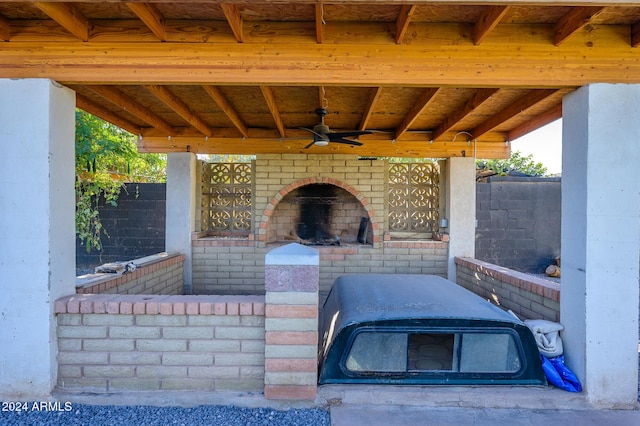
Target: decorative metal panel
413, 197
227, 197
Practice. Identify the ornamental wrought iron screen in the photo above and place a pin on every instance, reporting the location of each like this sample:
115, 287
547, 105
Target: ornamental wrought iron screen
227, 198
413, 197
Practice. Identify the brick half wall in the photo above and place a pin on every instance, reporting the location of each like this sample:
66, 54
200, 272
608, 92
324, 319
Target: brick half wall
527, 296
113, 343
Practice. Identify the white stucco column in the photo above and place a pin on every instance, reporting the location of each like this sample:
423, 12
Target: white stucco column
181, 209
461, 210
37, 230
601, 240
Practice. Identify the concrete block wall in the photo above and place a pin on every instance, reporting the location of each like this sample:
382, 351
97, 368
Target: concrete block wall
136, 226
156, 274
518, 222
527, 296
111, 343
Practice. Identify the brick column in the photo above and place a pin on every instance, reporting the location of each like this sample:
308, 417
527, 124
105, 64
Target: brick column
291, 322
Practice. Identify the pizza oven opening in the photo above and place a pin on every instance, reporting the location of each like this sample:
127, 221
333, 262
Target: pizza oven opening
320, 214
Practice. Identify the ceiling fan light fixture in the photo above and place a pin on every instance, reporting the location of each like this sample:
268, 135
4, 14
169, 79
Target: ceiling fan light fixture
321, 143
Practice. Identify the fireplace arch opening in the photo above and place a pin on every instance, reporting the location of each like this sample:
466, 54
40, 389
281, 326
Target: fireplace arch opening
320, 214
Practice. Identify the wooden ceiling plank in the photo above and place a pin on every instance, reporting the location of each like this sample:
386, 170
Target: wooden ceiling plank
573, 21
478, 98
92, 108
368, 109
183, 110
219, 98
517, 107
403, 21
118, 98
271, 102
5, 28
320, 23
635, 35
152, 18
69, 17
490, 18
417, 108
547, 117
232, 13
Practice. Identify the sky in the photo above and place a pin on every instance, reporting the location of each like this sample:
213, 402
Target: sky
545, 144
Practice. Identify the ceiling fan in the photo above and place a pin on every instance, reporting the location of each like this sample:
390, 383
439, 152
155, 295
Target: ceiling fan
322, 135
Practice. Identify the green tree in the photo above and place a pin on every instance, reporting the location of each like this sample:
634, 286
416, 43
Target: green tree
106, 157
517, 163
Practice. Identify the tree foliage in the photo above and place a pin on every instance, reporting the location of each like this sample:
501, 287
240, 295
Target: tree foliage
516, 164
106, 157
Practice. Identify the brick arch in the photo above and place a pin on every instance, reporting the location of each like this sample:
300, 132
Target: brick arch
275, 200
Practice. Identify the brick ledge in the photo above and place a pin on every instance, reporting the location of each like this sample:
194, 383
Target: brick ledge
539, 286
125, 304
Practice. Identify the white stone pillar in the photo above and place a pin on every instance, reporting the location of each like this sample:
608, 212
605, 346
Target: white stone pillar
461, 210
181, 209
601, 240
37, 230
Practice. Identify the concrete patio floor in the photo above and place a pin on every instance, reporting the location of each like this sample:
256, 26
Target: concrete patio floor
387, 405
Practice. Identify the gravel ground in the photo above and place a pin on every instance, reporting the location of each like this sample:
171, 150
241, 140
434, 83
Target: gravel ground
98, 415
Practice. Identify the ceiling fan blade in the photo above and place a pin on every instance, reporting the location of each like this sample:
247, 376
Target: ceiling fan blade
347, 134
315, 134
347, 141
310, 145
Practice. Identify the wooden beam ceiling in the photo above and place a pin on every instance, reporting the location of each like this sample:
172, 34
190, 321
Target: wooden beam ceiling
415, 73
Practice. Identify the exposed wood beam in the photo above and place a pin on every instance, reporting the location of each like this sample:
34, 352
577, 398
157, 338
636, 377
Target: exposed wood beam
152, 18
69, 17
219, 98
410, 148
635, 35
417, 108
234, 19
547, 117
403, 21
573, 21
609, 59
180, 107
99, 111
511, 111
5, 28
490, 18
478, 98
368, 109
271, 102
319, 22
117, 97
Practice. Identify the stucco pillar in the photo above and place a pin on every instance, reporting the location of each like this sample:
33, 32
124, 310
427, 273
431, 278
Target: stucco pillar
292, 276
601, 240
37, 230
181, 209
461, 210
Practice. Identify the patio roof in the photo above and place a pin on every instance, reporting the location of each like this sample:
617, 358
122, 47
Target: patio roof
428, 78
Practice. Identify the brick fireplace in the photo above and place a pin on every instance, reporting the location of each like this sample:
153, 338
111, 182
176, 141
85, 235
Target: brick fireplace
314, 199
